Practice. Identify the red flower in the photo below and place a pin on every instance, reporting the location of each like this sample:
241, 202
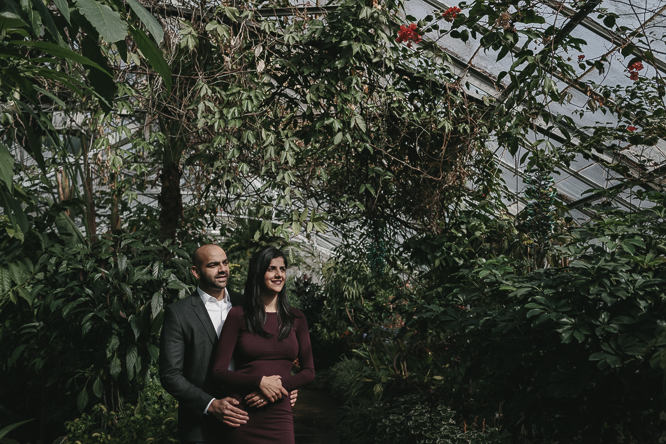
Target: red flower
408, 34
451, 13
631, 127
636, 66
581, 58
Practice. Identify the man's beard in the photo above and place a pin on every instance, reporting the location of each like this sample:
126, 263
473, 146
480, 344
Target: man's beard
212, 282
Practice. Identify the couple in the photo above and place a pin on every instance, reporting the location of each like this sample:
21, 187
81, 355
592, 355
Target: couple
243, 378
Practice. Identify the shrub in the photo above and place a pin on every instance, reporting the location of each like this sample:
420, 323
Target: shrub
412, 419
81, 322
371, 416
570, 352
154, 419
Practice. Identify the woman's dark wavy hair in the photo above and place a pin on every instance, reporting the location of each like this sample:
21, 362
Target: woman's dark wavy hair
253, 305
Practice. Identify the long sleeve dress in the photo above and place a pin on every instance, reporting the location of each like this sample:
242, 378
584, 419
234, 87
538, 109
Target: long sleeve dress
255, 357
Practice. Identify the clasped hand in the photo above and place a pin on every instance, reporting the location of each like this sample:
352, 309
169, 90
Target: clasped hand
271, 387
258, 399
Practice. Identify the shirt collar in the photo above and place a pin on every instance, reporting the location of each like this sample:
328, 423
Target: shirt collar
205, 297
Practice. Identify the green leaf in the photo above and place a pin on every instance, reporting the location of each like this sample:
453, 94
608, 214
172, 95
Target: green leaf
534, 312
609, 21
156, 304
148, 20
136, 327
132, 354
154, 352
47, 20
157, 268
629, 248
59, 52
68, 230
103, 84
122, 263
63, 8
5, 280
25, 294
16, 354
296, 228
98, 387
153, 54
82, 399
16, 215
106, 21
10, 15
16, 272
6, 167
11, 427
579, 335
112, 346
115, 368
360, 122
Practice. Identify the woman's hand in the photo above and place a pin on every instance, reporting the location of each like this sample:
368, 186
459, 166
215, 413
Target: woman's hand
256, 399
271, 387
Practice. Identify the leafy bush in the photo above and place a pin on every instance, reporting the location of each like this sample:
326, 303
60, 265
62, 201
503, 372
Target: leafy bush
347, 380
565, 344
81, 321
371, 416
414, 419
153, 419
562, 353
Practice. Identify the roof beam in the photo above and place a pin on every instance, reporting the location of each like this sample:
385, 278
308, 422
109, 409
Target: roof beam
609, 35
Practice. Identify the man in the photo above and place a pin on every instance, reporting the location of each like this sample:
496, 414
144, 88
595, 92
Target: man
189, 339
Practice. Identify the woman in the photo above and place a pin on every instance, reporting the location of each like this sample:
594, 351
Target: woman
264, 336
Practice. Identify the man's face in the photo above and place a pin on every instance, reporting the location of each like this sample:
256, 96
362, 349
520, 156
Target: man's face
211, 269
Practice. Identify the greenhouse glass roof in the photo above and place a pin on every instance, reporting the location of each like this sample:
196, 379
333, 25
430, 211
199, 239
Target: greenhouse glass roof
583, 174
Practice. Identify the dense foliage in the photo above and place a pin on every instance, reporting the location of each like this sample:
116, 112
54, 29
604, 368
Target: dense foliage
153, 419
82, 321
270, 127
568, 352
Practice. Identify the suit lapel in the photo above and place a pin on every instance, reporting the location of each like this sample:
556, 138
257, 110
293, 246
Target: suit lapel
200, 310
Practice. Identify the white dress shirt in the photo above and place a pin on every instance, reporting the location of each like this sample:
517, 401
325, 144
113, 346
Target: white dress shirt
217, 311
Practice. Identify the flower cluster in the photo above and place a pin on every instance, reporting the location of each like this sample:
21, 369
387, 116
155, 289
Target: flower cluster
581, 58
631, 128
408, 34
451, 13
633, 70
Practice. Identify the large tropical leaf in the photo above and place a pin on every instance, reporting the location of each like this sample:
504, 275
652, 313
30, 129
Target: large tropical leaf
47, 20
59, 52
14, 212
103, 83
63, 8
108, 23
153, 54
11, 427
6, 166
147, 19
10, 16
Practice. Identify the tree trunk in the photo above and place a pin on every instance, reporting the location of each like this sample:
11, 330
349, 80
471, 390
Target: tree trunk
171, 200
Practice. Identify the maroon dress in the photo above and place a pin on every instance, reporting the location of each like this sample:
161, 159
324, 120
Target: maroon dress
255, 357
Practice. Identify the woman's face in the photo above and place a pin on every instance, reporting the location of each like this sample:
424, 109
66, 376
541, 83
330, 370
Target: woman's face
275, 276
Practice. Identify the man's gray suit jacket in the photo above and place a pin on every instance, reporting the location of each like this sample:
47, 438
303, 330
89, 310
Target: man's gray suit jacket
187, 350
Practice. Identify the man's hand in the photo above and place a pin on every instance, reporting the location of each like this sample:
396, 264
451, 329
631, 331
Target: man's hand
225, 410
271, 387
293, 396
256, 399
